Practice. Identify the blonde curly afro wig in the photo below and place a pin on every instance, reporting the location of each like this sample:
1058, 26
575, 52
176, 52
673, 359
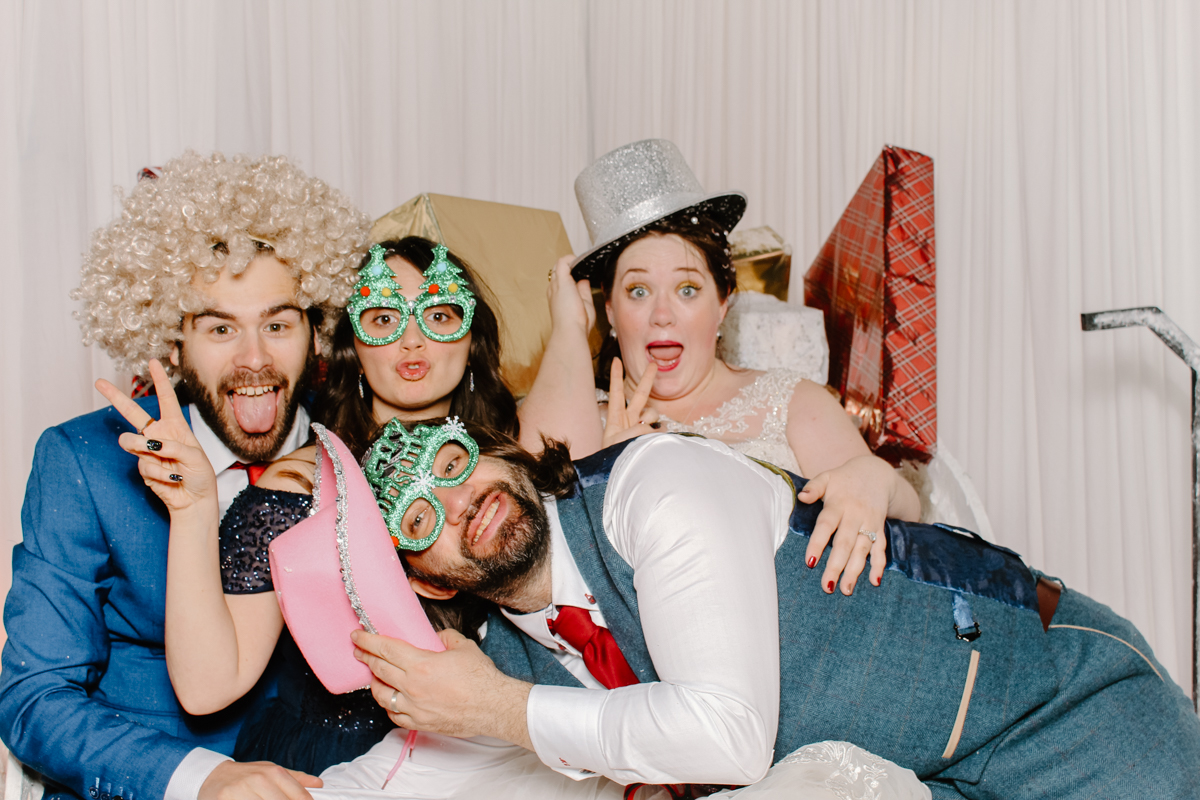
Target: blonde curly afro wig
200, 215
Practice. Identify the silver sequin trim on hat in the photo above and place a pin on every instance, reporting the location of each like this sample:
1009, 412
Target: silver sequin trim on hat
316, 501
340, 526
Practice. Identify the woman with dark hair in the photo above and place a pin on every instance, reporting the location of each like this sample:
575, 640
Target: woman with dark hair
662, 260
418, 340
366, 385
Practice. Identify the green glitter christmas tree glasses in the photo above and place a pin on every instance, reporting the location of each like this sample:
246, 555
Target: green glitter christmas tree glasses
377, 292
403, 469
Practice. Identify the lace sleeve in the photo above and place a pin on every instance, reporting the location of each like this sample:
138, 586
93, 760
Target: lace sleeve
253, 520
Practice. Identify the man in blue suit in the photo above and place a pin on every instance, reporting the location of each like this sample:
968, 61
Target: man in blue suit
231, 270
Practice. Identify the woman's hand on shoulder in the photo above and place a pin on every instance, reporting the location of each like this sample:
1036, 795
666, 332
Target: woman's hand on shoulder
570, 302
170, 460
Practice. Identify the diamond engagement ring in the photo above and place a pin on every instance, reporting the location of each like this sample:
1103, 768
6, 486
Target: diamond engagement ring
869, 534
392, 701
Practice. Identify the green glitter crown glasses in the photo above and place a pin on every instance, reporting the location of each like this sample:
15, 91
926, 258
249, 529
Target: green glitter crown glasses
377, 290
400, 466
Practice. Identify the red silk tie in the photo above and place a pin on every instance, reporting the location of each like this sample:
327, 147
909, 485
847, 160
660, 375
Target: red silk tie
601, 654
253, 471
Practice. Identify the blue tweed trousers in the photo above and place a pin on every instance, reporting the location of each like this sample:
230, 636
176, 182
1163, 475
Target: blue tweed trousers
1117, 726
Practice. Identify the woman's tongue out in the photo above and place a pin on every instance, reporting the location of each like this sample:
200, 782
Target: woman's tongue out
665, 354
254, 407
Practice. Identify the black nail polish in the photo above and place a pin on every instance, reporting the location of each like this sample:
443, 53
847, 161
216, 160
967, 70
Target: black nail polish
176, 478
153, 444
656, 425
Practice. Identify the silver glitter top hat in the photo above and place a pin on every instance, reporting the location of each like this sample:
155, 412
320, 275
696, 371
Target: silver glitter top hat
626, 190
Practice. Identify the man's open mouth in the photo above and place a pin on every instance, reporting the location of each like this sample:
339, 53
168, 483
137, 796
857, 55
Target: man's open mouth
254, 407
487, 518
484, 523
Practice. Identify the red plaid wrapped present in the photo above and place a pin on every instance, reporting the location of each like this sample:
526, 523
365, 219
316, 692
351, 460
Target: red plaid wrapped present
874, 279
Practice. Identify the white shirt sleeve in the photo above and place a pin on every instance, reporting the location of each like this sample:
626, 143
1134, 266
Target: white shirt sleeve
191, 774
699, 523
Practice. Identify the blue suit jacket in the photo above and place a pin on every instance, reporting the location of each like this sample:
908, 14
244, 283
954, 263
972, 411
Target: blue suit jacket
84, 694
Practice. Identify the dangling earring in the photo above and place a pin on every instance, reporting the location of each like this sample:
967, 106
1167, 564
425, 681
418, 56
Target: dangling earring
471, 379
361, 393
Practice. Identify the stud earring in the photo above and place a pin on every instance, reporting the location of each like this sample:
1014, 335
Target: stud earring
612, 333
361, 393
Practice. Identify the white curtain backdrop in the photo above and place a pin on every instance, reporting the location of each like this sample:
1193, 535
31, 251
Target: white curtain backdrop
1063, 134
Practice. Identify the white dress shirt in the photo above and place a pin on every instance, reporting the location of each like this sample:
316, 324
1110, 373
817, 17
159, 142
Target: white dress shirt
197, 765
700, 524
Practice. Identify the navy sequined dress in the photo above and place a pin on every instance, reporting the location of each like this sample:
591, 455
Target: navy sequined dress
304, 727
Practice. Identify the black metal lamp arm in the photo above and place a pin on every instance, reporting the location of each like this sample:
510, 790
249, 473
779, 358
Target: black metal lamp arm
1181, 345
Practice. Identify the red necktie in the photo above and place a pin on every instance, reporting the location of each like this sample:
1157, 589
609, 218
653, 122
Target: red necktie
253, 471
601, 654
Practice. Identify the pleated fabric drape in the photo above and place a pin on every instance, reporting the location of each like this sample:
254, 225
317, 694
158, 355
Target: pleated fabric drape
1063, 136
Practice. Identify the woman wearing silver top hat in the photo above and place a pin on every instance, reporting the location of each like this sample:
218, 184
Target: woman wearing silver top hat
660, 254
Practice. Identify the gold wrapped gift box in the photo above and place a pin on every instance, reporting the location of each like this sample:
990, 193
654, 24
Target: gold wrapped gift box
510, 249
763, 261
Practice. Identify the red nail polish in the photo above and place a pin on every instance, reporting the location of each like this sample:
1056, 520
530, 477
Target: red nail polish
812, 561
879, 581
829, 587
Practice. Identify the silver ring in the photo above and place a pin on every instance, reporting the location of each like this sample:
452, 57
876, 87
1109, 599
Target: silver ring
392, 701
872, 535
149, 422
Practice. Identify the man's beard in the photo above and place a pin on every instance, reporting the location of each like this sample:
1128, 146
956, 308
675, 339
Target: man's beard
523, 544
220, 418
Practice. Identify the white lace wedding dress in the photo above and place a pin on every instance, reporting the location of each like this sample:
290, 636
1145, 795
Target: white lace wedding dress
753, 421
441, 768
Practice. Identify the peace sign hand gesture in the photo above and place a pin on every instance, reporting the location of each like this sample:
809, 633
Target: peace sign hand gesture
170, 460
627, 421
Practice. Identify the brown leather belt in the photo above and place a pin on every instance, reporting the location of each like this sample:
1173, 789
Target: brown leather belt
1048, 593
